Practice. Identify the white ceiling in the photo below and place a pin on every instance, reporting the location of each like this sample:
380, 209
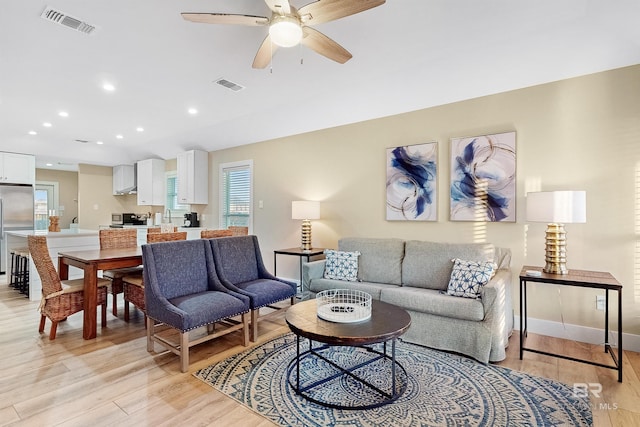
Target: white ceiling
407, 55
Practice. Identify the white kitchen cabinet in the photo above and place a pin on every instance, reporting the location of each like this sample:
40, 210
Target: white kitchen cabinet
124, 179
193, 177
17, 168
151, 182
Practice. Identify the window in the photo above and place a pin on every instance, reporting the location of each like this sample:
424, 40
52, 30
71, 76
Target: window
172, 196
236, 194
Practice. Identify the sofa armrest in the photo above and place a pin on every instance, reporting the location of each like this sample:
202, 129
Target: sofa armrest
496, 300
311, 270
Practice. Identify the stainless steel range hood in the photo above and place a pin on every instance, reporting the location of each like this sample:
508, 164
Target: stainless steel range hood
125, 179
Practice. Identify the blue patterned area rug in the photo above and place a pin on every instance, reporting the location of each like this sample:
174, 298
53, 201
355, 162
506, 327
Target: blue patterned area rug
442, 389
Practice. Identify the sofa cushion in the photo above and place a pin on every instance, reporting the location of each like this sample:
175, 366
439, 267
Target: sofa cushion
434, 302
428, 264
373, 289
468, 277
380, 259
341, 265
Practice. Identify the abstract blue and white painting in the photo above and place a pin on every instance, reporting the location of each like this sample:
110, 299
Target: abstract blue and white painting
412, 182
483, 178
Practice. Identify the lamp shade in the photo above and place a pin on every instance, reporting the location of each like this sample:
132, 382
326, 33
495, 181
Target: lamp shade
305, 209
557, 207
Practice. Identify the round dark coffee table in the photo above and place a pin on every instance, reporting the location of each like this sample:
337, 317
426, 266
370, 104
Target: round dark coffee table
387, 322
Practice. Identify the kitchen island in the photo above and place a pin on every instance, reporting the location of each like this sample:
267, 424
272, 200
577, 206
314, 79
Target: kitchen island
65, 240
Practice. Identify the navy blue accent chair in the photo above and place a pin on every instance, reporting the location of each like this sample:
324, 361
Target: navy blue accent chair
183, 291
240, 267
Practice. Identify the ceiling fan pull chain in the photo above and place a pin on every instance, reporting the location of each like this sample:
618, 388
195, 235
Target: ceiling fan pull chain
271, 56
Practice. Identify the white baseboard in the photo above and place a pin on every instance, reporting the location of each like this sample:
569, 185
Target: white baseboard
578, 333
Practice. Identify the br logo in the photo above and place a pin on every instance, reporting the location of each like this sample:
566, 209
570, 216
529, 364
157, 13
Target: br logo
583, 389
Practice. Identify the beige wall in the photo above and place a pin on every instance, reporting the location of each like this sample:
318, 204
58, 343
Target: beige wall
582, 133
67, 192
95, 199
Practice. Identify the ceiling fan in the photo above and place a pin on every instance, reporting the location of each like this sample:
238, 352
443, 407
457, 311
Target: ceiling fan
289, 26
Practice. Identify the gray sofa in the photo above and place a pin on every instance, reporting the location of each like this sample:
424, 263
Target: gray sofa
414, 275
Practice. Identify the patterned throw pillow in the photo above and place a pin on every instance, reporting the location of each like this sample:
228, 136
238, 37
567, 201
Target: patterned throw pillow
468, 277
341, 265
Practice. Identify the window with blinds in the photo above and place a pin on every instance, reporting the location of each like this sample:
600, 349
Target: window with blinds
236, 189
172, 194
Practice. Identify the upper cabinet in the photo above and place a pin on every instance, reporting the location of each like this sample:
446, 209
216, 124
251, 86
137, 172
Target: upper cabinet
151, 182
17, 168
193, 177
124, 179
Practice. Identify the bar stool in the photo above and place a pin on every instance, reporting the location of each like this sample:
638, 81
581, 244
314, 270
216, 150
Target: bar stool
13, 279
19, 279
23, 271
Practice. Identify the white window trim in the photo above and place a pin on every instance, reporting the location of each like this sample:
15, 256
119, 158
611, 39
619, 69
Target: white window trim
175, 213
222, 167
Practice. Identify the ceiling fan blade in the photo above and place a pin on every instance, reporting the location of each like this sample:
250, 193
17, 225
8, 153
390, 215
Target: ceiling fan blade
264, 54
330, 10
225, 18
281, 7
323, 45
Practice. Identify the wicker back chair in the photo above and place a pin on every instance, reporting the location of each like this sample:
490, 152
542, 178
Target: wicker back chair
60, 298
211, 234
118, 238
166, 237
151, 230
239, 231
134, 284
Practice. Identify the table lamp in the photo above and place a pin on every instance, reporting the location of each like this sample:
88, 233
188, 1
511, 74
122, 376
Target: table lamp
306, 211
556, 208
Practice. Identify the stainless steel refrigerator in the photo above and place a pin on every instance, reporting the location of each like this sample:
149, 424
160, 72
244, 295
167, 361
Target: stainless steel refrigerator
16, 213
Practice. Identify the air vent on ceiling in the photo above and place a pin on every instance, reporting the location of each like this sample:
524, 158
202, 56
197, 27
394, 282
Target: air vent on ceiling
62, 18
229, 85
83, 141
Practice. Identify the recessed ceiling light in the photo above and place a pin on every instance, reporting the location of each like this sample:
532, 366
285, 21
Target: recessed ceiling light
108, 87
140, 129
99, 142
192, 111
46, 124
33, 132
119, 136
63, 114
49, 164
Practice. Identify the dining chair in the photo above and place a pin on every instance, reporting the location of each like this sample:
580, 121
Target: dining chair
60, 298
152, 230
238, 230
134, 284
240, 268
118, 238
211, 234
185, 293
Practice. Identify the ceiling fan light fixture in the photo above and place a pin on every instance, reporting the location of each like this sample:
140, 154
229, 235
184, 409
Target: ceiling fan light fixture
285, 31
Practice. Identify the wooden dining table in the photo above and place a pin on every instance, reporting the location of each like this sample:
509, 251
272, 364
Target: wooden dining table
92, 261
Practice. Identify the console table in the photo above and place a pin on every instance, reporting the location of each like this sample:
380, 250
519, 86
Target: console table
582, 279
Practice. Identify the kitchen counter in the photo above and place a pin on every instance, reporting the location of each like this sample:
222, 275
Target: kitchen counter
66, 232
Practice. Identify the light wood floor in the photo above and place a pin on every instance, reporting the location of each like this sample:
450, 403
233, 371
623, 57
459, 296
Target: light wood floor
112, 380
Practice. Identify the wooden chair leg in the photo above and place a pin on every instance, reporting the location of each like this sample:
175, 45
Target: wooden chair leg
114, 306
126, 311
52, 333
184, 351
254, 324
103, 314
42, 320
245, 329
150, 332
